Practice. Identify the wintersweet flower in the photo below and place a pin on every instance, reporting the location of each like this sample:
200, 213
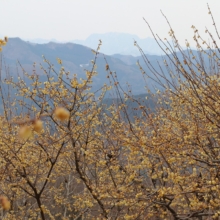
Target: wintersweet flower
61, 113
37, 125
5, 203
25, 132
59, 61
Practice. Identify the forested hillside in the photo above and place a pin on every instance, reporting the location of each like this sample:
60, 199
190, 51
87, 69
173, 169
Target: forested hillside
76, 58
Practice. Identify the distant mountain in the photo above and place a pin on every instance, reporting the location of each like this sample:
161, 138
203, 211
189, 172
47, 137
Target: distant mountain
42, 41
121, 43
76, 58
113, 43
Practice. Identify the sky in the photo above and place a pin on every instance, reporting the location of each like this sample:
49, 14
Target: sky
66, 20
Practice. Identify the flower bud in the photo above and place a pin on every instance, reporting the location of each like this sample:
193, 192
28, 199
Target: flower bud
25, 132
38, 125
62, 114
5, 203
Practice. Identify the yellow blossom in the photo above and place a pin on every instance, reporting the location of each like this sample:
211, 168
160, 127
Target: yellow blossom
25, 132
38, 125
61, 113
5, 203
59, 61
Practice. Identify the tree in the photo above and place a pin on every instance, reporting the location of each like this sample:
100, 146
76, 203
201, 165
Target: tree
186, 138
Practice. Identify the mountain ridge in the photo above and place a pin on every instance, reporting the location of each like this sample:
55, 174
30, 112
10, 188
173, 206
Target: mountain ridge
75, 57
121, 43
113, 43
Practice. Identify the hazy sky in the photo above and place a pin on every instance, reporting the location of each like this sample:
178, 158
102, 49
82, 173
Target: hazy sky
67, 20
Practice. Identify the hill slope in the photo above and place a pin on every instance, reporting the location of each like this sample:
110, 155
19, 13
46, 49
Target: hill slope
76, 58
